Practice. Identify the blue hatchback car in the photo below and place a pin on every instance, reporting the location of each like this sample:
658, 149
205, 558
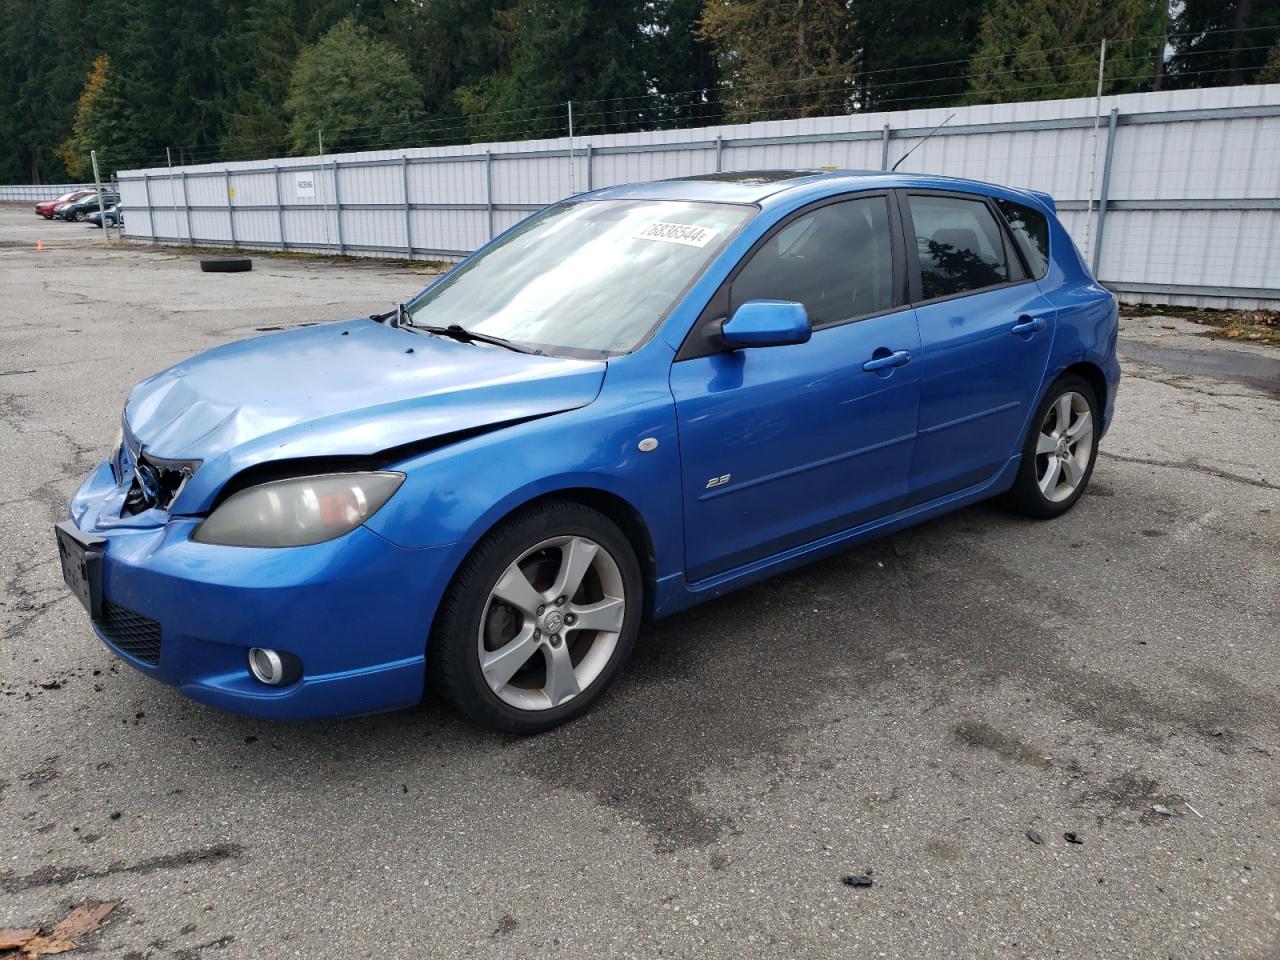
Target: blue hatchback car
632, 401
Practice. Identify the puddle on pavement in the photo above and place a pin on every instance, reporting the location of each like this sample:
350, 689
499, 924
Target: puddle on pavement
1254, 370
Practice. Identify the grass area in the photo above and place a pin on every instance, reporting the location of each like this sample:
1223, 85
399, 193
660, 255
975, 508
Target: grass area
1254, 326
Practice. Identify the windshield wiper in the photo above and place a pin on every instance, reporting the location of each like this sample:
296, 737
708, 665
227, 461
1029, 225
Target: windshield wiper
460, 333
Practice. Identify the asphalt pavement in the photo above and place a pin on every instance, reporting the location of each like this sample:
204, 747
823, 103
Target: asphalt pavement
936, 711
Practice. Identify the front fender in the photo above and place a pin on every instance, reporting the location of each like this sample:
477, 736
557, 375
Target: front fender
454, 495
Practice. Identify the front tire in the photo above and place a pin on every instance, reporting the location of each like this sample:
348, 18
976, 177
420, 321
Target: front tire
539, 619
1059, 452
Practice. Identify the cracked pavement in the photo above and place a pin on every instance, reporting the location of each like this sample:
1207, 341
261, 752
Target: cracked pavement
910, 709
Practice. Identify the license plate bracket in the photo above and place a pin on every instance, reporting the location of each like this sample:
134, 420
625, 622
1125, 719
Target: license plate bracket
81, 556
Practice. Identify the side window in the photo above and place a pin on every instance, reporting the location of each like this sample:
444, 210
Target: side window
837, 261
958, 243
1031, 229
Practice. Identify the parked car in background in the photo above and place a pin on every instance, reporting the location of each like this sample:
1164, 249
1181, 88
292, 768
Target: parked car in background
45, 208
633, 401
81, 208
114, 216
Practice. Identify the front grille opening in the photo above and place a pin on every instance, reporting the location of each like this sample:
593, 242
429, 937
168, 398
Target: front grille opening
130, 633
155, 485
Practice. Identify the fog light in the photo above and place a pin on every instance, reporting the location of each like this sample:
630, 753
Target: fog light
273, 668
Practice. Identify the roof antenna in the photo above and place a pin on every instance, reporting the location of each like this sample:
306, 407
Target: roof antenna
922, 140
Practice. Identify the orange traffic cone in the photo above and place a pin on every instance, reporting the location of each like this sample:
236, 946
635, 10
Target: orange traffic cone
39, 244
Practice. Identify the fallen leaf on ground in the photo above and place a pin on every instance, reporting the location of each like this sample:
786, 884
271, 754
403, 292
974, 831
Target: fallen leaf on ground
84, 919
13, 939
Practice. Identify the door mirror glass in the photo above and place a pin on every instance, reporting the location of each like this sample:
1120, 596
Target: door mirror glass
767, 323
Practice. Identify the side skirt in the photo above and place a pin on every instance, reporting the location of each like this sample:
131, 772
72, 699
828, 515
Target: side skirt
674, 593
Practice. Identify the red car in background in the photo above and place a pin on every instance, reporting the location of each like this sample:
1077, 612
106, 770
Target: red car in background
45, 208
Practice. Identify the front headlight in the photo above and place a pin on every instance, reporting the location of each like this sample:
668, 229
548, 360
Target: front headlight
299, 511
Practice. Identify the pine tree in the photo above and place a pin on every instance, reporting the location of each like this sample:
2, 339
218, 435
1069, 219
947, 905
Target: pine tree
355, 88
106, 121
782, 58
914, 53
1270, 72
1048, 49
555, 51
1218, 42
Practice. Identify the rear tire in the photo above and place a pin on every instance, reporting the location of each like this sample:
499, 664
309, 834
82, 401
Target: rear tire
1059, 452
539, 620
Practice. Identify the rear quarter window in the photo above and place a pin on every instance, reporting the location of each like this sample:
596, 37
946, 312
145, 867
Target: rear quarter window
1031, 230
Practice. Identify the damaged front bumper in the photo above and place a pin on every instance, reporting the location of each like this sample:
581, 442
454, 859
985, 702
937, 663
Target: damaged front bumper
355, 610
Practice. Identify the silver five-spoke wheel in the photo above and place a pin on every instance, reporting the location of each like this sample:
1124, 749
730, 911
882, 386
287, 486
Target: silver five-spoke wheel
551, 623
1064, 447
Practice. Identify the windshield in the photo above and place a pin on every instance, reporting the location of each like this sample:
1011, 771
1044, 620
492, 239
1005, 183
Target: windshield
585, 277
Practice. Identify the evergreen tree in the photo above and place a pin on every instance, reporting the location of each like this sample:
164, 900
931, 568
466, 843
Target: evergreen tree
106, 121
449, 44
681, 64
782, 58
1270, 72
914, 53
355, 88
46, 47
1220, 42
256, 53
1048, 49
554, 51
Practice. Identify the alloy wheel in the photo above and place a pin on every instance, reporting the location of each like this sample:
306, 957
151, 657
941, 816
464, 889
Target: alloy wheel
551, 623
1064, 447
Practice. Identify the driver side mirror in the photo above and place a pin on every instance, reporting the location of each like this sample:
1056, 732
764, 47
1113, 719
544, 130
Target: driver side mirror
766, 323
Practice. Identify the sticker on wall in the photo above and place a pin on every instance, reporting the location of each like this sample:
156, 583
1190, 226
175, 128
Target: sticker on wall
684, 233
304, 186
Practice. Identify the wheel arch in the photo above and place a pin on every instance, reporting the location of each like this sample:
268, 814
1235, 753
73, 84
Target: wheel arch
618, 509
1092, 374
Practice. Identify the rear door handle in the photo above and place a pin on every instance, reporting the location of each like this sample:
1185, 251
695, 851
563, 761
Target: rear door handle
895, 359
1028, 325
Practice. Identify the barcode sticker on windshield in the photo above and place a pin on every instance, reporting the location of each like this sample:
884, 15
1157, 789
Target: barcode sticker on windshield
685, 233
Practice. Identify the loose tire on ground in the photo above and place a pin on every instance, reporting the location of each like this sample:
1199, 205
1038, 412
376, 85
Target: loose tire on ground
226, 265
475, 623
1059, 452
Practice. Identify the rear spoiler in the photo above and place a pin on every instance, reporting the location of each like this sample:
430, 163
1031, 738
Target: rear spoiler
1045, 199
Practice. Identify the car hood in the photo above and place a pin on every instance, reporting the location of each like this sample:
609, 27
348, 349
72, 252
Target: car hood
338, 389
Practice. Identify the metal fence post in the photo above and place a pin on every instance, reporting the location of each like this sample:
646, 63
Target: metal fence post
719, 152
335, 166
588, 152
408, 216
186, 205
146, 192
275, 178
884, 148
231, 213
1106, 186
488, 189
97, 182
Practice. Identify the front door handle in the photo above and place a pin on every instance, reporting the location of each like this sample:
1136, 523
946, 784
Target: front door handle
895, 359
1028, 325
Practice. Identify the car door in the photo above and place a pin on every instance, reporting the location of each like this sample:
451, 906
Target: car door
985, 336
783, 445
